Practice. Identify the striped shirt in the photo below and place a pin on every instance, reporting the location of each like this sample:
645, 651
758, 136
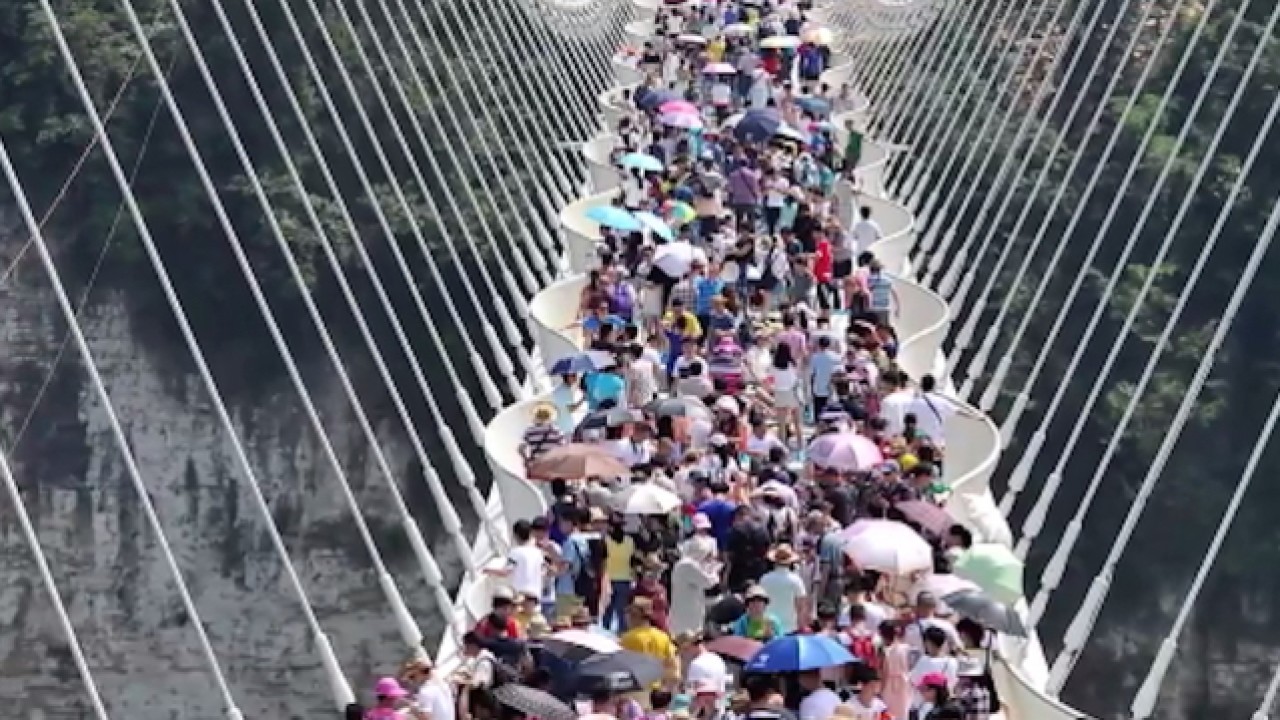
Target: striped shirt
881, 292
538, 439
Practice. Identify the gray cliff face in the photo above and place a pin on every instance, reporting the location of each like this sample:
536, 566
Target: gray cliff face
107, 561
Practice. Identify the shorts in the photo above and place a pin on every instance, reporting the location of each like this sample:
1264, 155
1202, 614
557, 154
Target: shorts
787, 400
842, 268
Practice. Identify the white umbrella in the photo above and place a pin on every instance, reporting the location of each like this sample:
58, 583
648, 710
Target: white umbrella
941, 585
779, 42
739, 30
645, 499
692, 39
675, 259
889, 547
579, 644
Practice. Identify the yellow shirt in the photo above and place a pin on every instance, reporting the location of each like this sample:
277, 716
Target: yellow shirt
656, 644
692, 328
617, 558
715, 50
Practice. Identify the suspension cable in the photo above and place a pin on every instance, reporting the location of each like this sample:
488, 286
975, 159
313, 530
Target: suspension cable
1145, 700
338, 684
33, 539
1035, 520
1097, 591
1082, 624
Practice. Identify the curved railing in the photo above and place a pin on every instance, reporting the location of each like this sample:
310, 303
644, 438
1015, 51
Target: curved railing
973, 440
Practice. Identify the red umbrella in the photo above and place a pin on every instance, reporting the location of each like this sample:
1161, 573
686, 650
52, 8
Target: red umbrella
735, 647
576, 461
931, 518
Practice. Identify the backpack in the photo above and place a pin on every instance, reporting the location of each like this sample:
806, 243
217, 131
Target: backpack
863, 647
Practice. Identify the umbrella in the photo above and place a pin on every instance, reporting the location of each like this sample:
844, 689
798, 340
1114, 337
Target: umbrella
578, 645
631, 667
735, 647
726, 610
678, 107
641, 161
618, 417
988, 611
652, 99
675, 259
787, 132
994, 568
757, 126
682, 213
691, 39
940, 585
887, 546
645, 499
719, 68
533, 702
796, 653
821, 36
820, 107
580, 363
928, 516
844, 451
614, 217
780, 42
684, 121
684, 406
656, 225
739, 30
576, 461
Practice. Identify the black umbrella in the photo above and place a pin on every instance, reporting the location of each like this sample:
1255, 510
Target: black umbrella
987, 611
623, 671
684, 406
533, 702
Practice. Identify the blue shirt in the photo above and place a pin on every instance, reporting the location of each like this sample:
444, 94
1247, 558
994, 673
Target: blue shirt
720, 512
823, 365
704, 289
881, 292
605, 386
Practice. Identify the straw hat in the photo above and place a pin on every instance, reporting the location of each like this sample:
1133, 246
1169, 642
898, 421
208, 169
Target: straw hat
544, 412
783, 555
755, 592
844, 711
538, 627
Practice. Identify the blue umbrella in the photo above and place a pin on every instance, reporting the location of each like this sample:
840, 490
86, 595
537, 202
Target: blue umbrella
578, 364
614, 217
641, 161
652, 99
757, 126
795, 653
656, 225
814, 105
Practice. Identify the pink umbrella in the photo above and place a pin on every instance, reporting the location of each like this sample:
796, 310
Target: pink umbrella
681, 120
719, 68
889, 547
678, 107
844, 451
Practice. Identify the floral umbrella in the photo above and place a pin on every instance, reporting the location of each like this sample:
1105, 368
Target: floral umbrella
576, 461
844, 451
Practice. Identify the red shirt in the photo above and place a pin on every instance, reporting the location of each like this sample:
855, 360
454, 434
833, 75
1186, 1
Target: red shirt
772, 63
658, 595
489, 629
823, 261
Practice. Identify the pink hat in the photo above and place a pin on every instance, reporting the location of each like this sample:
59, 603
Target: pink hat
701, 521
933, 680
389, 687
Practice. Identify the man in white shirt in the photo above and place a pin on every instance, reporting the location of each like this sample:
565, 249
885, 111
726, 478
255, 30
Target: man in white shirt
865, 232
820, 701
788, 595
932, 409
896, 402
526, 562
432, 698
702, 668
926, 617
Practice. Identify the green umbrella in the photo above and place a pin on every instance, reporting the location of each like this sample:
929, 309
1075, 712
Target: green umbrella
995, 569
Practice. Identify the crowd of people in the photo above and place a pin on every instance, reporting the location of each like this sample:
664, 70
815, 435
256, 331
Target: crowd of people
745, 489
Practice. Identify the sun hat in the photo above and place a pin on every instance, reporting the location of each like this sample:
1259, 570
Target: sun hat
544, 412
783, 555
389, 687
755, 592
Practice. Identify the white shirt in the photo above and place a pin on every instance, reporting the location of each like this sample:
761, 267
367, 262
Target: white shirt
784, 588
868, 712
865, 233
436, 698
690, 581
526, 569
630, 453
707, 667
784, 379
721, 94
914, 633
894, 408
819, 704
932, 411
946, 664
762, 445
875, 614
